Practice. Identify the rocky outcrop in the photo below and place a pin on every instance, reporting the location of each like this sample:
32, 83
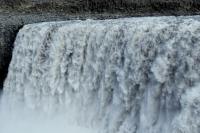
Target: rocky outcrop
128, 6
7, 36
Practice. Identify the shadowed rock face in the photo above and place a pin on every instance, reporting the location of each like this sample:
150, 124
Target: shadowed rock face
7, 37
178, 7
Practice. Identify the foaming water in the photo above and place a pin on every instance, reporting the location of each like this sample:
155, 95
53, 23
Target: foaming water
135, 75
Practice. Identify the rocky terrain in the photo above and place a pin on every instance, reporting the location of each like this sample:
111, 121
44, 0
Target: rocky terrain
15, 13
99, 6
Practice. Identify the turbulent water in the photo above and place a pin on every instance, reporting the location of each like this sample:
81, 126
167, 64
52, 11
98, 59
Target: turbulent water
134, 75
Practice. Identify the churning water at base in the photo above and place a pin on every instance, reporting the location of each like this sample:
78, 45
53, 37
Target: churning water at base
136, 75
34, 124
19, 119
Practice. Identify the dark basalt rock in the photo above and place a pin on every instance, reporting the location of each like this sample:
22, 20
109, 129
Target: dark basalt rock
7, 37
178, 7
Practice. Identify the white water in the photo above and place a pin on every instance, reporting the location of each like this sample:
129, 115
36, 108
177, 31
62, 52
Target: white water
136, 75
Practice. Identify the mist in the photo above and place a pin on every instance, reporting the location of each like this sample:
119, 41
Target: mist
21, 121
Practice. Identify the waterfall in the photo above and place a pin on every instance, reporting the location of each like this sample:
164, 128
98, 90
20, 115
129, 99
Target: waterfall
130, 75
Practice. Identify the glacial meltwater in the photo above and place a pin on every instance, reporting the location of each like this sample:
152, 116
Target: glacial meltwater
130, 75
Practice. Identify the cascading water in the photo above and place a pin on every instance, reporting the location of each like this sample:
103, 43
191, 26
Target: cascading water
134, 75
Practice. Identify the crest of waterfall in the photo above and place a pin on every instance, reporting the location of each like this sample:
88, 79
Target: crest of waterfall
134, 75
